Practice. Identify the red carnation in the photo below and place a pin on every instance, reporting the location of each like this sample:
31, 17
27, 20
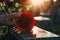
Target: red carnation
26, 20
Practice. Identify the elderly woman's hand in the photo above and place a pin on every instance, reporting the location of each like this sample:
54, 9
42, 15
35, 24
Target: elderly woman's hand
9, 19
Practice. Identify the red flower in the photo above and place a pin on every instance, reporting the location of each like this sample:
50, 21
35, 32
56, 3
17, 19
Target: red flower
26, 20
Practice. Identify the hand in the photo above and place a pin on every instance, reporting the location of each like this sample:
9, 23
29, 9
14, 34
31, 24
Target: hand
9, 19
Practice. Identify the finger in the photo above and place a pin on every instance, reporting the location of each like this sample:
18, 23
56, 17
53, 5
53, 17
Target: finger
11, 23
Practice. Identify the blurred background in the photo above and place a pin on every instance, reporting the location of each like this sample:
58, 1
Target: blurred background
46, 12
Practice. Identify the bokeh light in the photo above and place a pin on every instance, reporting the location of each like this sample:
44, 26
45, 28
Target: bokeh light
54, 0
36, 2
